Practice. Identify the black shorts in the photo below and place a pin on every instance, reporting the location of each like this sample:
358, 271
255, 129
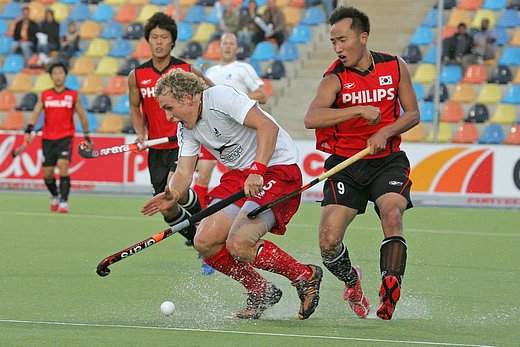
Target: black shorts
56, 149
367, 180
160, 163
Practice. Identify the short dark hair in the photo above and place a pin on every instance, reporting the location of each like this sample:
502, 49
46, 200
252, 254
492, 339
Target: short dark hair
58, 64
360, 21
162, 21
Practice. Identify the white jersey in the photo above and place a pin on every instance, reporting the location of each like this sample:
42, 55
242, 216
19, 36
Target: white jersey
238, 75
222, 132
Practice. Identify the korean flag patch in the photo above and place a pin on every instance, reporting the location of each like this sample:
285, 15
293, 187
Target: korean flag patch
385, 80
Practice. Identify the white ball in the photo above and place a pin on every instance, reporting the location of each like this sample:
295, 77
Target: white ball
167, 308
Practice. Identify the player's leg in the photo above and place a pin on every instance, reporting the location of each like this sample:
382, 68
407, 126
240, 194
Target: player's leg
64, 156
49, 162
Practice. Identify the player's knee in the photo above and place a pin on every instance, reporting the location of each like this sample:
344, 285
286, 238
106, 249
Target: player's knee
240, 248
392, 221
329, 243
204, 244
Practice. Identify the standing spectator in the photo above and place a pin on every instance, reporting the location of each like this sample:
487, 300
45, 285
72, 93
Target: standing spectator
247, 22
484, 42
272, 24
458, 47
51, 29
228, 20
70, 41
25, 35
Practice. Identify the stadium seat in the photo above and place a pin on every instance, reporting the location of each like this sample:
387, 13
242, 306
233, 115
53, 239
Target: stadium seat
7, 100
509, 19
477, 113
89, 30
444, 133
192, 50
458, 16
111, 124
82, 66
123, 105
475, 73
101, 104
295, 3
127, 13
268, 87
494, 5
103, 13
504, 114
452, 112
172, 12
33, 66
11, 11
427, 111
13, 63
134, 31
128, 66
512, 95
61, 11
489, 94
212, 51
138, 3
214, 14
312, 16
121, 48
425, 73
72, 82
412, 54
471, 5
515, 40
415, 134
447, 32
288, 51
301, 34
443, 91
43, 82
5, 44
464, 93
466, 133
431, 55
195, 14
514, 4
160, 2
510, 56
36, 11
275, 70
107, 66
92, 123
203, 32
92, 84
501, 35
264, 51
146, 12
28, 102
451, 74
513, 137
292, 15
419, 91
431, 18
423, 35
97, 48
483, 14
142, 50
516, 79
69, 2
115, 2
14, 120
187, 3
112, 30
116, 85
501, 75
492, 134
80, 12
184, 32
244, 52
21, 83
3, 81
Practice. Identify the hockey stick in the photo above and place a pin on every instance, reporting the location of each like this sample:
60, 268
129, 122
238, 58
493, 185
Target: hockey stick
102, 268
85, 151
16, 152
320, 178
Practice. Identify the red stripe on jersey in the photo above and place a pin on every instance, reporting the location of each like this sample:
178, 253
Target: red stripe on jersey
378, 88
155, 118
58, 121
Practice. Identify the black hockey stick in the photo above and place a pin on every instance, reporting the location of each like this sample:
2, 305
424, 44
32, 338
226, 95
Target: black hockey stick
16, 152
303, 188
102, 268
85, 151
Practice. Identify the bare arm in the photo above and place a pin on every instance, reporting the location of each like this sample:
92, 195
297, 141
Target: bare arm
136, 116
38, 108
82, 116
199, 73
260, 95
320, 114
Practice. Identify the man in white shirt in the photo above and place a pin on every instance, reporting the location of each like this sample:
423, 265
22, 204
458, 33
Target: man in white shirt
262, 159
239, 75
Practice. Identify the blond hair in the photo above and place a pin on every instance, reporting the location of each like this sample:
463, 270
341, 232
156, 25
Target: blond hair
178, 82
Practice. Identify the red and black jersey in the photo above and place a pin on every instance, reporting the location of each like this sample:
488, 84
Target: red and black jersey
58, 107
154, 117
376, 87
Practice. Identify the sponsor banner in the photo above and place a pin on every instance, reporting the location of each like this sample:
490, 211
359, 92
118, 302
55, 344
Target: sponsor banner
442, 174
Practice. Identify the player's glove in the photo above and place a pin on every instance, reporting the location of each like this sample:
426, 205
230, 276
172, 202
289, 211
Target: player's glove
88, 140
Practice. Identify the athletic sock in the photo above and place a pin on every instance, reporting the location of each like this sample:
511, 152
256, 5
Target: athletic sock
341, 267
189, 232
393, 257
193, 205
242, 272
273, 259
202, 193
51, 186
64, 187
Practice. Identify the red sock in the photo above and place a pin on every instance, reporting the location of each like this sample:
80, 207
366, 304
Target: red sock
202, 193
273, 259
239, 271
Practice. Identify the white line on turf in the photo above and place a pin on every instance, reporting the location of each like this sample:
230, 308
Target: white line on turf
241, 333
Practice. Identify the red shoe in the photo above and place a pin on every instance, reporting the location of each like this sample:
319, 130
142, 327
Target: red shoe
356, 297
55, 201
389, 294
63, 207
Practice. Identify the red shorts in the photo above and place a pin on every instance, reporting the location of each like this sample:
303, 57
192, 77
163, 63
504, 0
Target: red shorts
279, 180
205, 154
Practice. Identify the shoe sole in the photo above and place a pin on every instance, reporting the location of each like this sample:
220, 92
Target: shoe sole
276, 299
315, 300
390, 294
366, 310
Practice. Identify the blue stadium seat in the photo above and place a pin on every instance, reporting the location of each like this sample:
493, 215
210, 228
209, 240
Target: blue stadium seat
431, 18
412, 54
103, 13
448, 4
39, 123
431, 55
501, 74
264, 51
72, 82
112, 30
12, 10
3, 81
275, 70
84, 100
443, 90
80, 13
288, 51
512, 95
427, 110
134, 31
477, 113
510, 56
184, 32
514, 4
256, 65
501, 35
202, 64
92, 123
213, 15
121, 48
423, 35
492, 135
160, 2
70, 2
451, 73
13, 63
5, 44
123, 105
300, 33
419, 91
4, 28
312, 16
494, 5
195, 14
509, 19
244, 52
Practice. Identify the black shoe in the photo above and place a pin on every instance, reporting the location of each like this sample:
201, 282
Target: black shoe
257, 304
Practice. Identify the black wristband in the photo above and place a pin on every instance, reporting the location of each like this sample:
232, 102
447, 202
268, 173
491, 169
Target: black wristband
29, 128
